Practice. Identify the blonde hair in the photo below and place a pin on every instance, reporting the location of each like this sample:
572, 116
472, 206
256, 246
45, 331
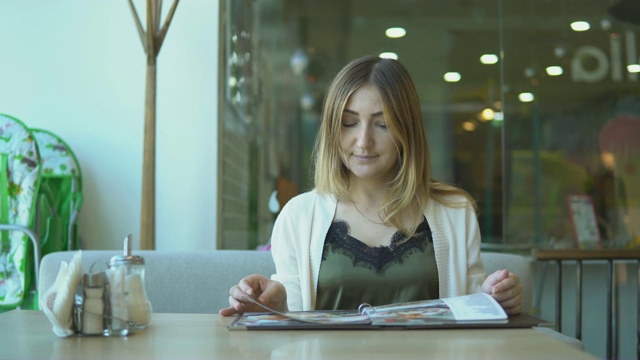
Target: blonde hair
411, 188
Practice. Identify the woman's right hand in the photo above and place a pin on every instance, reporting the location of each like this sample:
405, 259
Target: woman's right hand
266, 291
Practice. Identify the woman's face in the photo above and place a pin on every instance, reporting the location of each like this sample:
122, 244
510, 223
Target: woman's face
367, 146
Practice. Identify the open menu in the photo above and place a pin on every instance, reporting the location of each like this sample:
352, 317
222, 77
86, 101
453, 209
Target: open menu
468, 311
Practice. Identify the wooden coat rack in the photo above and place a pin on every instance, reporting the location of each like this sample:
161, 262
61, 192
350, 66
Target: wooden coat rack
151, 42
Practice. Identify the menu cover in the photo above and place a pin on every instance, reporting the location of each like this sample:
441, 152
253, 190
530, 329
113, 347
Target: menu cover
468, 311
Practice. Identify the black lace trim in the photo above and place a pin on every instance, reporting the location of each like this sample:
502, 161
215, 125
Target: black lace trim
375, 258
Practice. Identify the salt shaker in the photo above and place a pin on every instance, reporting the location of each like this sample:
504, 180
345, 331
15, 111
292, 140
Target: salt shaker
93, 304
130, 307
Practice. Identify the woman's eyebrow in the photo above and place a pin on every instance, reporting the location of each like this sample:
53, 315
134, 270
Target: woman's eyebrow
378, 113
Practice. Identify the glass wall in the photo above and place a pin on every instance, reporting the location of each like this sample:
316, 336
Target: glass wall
537, 116
572, 153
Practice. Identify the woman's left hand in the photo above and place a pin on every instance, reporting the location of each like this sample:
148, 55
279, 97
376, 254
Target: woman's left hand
505, 287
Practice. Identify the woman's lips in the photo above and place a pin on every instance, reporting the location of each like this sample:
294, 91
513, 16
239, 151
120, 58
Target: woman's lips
364, 157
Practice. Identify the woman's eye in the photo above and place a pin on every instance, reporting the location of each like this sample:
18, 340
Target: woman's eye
382, 125
348, 123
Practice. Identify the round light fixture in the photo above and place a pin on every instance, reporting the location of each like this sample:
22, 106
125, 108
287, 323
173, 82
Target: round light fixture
489, 59
526, 97
554, 70
389, 55
633, 68
395, 32
452, 76
580, 26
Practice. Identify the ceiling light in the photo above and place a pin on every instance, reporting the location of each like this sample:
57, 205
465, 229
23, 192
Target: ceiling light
395, 32
554, 70
389, 55
633, 68
452, 76
487, 114
468, 126
489, 59
580, 26
526, 97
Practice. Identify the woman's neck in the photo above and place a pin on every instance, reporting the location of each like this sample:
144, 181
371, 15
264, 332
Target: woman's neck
367, 193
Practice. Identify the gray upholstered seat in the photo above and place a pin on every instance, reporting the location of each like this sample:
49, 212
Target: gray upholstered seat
516, 264
199, 281
178, 282
521, 266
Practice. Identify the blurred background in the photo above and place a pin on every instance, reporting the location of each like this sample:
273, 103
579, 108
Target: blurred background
531, 106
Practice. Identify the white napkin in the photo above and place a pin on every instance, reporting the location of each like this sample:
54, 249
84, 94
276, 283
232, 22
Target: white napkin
57, 301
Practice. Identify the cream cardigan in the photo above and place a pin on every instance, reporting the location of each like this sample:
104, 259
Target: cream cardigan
300, 229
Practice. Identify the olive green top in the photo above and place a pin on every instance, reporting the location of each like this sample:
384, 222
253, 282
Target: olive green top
352, 273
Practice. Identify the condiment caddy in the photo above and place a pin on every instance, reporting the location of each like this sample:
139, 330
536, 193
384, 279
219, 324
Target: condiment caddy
112, 302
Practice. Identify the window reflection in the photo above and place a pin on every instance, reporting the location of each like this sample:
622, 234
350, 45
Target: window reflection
524, 107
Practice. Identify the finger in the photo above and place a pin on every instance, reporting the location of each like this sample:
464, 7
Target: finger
511, 283
499, 283
508, 301
238, 293
510, 293
228, 311
253, 284
238, 300
234, 307
493, 279
244, 304
514, 310
498, 276
274, 296
246, 287
234, 303
268, 293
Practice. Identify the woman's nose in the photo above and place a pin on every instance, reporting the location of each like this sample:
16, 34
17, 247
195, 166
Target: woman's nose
364, 137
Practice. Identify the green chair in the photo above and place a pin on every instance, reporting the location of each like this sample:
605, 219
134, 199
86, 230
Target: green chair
19, 245
60, 196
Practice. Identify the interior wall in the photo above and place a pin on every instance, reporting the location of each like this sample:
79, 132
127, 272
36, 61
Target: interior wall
77, 69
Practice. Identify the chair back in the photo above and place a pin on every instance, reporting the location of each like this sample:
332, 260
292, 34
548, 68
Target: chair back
176, 282
199, 281
518, 265
19, 183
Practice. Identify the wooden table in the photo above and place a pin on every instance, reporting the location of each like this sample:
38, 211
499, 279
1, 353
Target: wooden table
27, 334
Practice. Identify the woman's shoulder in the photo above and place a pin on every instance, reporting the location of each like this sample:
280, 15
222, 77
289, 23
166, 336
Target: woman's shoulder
309, 198
304, 198
451, 202
455, 198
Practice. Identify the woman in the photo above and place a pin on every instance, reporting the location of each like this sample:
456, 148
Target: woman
376, 228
